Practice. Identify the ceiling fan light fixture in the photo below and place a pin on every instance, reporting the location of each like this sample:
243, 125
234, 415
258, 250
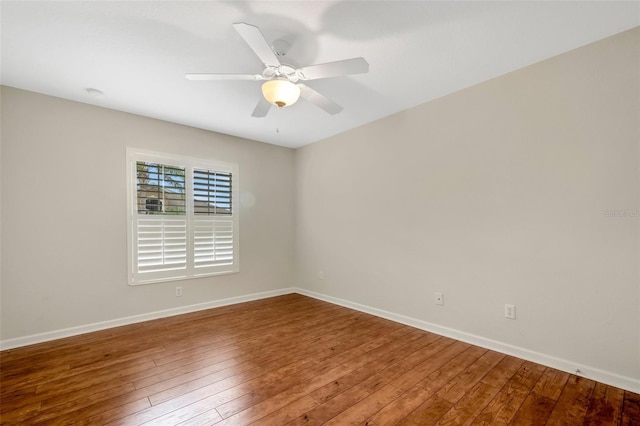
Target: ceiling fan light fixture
280, 92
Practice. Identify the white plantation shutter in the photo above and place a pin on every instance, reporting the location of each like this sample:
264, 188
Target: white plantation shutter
162, 244
183, 219
213, 242
212, 192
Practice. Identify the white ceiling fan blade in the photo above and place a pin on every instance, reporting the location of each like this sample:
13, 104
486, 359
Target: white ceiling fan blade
319, 100
262, 108
209, 76
257, 43
335, 69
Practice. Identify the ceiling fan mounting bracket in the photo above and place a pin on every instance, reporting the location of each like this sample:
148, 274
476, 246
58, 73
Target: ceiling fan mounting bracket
280, 47
282, 71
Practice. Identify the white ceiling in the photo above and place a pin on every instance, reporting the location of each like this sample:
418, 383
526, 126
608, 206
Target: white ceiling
138, 52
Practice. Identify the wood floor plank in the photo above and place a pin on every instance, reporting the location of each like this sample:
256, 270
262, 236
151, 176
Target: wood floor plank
205, 377
13, 400
433, 344
358, 413
285, 398
631, 409
352, 396
36, 375
206, 418
80, 383
365, 371
82, 407
402, 407
573, 403
446, 365
501, 409
503, 371
256, 336
428, 413
455, 389
535, 410
187, 412
101, 414
440, 356
207, 366
288, 413
551, 383
265, 389
290, 360
19, 416
443, 367
605, 407
467, 408
445, 375
383, 346
527, 376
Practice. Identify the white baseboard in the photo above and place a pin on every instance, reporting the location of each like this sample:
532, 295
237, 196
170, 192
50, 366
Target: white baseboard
609, 378
88, 328
596, 374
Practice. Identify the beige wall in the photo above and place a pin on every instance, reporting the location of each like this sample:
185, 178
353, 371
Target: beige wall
64, 214
495, 194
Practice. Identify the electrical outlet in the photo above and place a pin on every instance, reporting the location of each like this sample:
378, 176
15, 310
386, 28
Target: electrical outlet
178, 291
438, 298
321, 275
510, 311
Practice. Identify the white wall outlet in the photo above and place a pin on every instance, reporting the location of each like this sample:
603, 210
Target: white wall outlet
510, 311
438, 298
178, 291
321, 275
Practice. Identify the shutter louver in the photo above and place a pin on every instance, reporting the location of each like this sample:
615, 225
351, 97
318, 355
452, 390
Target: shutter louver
162, 244
211, 192
213, 242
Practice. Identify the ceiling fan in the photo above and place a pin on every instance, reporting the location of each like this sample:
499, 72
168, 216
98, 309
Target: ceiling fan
282, 85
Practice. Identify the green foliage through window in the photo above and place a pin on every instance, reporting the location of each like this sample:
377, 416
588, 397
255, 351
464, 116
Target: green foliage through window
160, 189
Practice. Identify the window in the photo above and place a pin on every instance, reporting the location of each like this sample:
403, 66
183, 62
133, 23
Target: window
183, 217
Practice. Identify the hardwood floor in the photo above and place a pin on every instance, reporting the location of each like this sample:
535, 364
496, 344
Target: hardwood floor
291, 360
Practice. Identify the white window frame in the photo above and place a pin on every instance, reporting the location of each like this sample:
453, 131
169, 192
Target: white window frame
190, 270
